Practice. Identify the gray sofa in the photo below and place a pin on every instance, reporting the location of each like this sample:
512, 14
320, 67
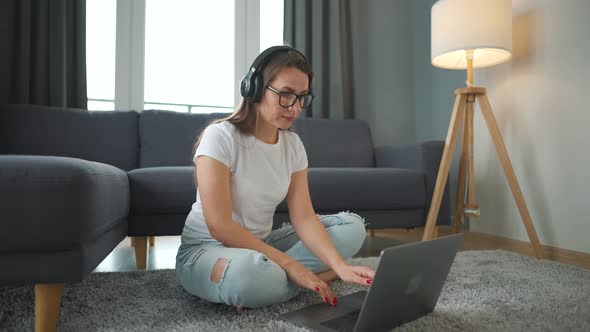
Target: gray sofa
74, 183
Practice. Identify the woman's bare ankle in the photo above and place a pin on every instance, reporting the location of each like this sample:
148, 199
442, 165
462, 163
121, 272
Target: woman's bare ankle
328, 276
238, 308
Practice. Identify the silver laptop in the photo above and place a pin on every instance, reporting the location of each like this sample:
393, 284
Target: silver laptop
407, 284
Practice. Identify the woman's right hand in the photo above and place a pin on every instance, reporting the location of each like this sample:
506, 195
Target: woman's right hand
305, 278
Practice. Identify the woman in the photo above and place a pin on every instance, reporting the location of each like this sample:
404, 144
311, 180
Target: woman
245, 165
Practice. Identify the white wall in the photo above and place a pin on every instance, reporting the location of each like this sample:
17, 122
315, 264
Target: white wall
541, 100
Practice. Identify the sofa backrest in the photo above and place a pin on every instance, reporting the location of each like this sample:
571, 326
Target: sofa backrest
167, 138
106, 137
152, 138
336, 143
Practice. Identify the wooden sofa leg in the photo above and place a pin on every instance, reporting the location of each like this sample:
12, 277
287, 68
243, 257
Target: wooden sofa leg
152, 241
371, 233
47, 304
140, 251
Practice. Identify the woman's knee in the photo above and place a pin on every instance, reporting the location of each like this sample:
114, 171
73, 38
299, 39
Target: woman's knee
218, 270
254, 281
350, 234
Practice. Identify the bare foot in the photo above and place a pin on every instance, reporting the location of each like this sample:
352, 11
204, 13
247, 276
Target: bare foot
328, 276
238, 309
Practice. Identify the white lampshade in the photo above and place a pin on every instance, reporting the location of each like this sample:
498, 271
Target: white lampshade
484, 26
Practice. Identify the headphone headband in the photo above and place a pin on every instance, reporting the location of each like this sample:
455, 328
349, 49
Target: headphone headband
263, 57
251, 85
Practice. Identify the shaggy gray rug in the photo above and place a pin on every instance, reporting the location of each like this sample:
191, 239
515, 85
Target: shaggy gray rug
485, 290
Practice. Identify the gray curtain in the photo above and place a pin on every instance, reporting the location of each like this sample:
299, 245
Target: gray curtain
43, 57
321, 30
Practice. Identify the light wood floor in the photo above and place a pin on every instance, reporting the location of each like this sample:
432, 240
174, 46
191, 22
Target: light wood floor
480, 241
162, 255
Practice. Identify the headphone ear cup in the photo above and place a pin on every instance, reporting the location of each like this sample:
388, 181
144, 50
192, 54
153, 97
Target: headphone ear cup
256, 88
246, 86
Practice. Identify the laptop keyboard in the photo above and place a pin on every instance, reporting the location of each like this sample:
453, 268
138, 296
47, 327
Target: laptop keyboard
343, 323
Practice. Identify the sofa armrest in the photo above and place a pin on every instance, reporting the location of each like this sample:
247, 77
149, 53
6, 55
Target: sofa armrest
424, 157
50, 203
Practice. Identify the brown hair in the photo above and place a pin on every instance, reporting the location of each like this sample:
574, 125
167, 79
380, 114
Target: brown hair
246, 117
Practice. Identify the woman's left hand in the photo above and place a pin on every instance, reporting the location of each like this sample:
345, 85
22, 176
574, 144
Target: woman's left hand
354, 274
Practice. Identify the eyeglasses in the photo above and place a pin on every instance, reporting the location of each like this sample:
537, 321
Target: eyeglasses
288, 99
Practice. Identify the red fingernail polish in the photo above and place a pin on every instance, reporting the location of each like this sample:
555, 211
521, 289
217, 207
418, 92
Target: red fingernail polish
369, 281
326, 300
334, 302
317, 289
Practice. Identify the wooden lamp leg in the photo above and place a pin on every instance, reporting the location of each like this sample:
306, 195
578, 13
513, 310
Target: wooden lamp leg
488, 115
47, 303
471, 209
461, 181
445, 164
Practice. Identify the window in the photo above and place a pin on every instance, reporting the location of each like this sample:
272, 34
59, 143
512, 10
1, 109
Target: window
189, 53
179, 55
100, 53
271, 23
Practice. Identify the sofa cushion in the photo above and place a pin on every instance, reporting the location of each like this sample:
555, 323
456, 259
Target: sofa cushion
54, 204
166, 138
106, 137
333, 189
170, 190
336, 143
162, 190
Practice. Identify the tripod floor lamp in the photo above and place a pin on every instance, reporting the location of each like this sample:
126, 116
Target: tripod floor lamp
468, 34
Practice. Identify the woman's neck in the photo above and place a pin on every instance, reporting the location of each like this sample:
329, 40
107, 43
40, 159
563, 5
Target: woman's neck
268, 135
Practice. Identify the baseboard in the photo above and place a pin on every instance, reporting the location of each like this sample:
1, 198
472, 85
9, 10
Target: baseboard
483, 241
553, 253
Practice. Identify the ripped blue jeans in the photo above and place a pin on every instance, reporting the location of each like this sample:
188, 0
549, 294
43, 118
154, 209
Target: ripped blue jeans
252, 280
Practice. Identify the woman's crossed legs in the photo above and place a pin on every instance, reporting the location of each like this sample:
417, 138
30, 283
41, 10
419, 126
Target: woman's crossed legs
247, 278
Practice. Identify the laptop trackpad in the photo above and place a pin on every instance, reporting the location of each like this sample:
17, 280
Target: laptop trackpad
354, 300
316, 314
343, 323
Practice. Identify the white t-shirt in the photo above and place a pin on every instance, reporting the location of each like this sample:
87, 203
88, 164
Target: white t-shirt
260, 176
